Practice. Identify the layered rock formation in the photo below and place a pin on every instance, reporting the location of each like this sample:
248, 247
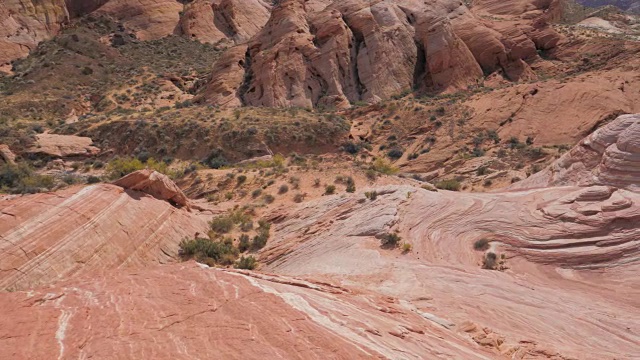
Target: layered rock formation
568, 254
182, 312
609, 156
95, 229
213, 21
24, 23
339, 53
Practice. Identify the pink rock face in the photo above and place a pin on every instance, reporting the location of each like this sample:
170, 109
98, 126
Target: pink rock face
186, 312
337, 53
95, 229
568, 257
608, 156
63, 145
213, 21
24, 23
566, 249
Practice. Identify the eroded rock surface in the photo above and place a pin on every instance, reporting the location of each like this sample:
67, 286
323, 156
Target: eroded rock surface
609, 156
91, 230
63, 146
213, 21
185, 311
155, 184
338, 53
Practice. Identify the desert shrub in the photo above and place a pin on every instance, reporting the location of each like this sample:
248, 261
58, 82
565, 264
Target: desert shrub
481, 245
490, 261
260, 240
120, 167
283, 189
390, 240
482, 170
351, 185
383, 167
246, 263
202, 248
371, 195
241, 180
20, 178
295, 182
255, 193
395, 153
451, 184
298, 198
93, 180
222, 224
351, 147
329, 189
268, 198
246, 226
244, 243
216, 159
406, 247
316, 182
487, 183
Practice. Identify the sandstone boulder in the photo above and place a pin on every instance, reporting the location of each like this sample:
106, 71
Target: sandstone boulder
62, 146
155, 184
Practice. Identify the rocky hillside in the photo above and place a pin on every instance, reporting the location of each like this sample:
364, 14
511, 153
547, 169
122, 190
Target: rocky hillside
319, 179
479, 276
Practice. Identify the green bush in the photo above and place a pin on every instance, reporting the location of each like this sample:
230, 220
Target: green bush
201, 249
390, 240
120, 167
283, 189
221, 224
351, 185
371, 195
268, 198
244, 243
247, 263
260, 240
481, 245
451, 184
22, 179
241, 179
329, 189
383, 167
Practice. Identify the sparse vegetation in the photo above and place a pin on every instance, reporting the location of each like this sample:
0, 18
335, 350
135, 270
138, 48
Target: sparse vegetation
371, 195
451, 184
481, 245
246, 263
21, 179
329, 189
390, 240
383, 167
